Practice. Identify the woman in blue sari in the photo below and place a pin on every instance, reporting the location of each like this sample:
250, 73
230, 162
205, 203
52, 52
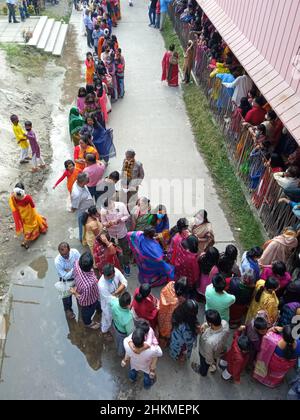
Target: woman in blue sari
250, 261
149, 258
102, 138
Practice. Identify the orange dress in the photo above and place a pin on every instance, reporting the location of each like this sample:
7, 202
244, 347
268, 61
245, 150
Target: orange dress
71, 178
168, 302
80, 154
90, 70
100, 45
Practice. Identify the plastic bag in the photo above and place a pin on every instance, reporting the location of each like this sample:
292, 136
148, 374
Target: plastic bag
63, 288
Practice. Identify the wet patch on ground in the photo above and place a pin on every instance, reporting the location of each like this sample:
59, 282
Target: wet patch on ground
43, 100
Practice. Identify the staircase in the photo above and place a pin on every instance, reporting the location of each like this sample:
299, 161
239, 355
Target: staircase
49, 35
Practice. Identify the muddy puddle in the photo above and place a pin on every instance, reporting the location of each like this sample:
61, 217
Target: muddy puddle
63, 351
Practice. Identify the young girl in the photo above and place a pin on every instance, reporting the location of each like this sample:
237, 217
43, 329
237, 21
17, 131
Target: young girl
92, 108
71, 173
120, 67
35, 148
81, 99
90, 69
114, 43
111, 68
21, 138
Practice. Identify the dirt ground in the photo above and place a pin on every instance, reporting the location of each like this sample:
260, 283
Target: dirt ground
32, 97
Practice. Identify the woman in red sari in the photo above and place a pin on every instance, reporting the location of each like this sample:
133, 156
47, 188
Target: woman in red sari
186, 262
145, 305
170, 67
182, 233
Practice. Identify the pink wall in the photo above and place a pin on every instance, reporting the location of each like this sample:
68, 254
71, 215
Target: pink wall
273, 27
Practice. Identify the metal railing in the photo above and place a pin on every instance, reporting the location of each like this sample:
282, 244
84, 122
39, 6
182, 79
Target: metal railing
261, 190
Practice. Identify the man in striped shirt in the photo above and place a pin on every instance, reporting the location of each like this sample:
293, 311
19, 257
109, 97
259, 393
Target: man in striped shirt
86, 289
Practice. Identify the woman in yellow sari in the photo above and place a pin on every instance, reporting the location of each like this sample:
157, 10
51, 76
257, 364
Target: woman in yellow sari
82, 150
93, 227
26, 218
265, 299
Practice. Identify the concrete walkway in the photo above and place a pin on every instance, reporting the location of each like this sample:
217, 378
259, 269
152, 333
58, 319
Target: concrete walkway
152, 120
46, 357
13, 32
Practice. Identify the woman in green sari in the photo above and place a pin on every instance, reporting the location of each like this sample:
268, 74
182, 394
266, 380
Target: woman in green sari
76, 122
140, 214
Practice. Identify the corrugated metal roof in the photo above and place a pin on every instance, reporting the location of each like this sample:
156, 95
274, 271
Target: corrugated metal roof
281, 96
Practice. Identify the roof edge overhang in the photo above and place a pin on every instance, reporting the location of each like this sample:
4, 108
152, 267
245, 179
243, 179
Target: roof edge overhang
282, 98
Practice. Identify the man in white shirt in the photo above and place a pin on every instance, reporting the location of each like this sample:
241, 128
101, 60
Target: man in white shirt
242, 84
289, 178
114, 216
65, 263
111, 283
81, 199
140, 359
11, 4
212, 342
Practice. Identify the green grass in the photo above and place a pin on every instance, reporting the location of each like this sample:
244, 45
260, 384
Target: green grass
211, 144
52, 15
25, 59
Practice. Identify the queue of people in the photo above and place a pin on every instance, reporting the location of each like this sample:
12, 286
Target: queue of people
258, 301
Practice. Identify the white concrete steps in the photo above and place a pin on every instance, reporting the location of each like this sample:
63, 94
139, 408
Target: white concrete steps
59, 44
53, 37
45, 34
38, 31
49, 35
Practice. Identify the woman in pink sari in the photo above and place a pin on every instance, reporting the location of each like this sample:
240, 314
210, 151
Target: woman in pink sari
80, 103
278, 354
170, 67
186, 262
200, 54
102, 100
182, 233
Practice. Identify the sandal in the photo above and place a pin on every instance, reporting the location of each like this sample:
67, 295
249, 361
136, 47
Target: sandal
25, 245
94, 326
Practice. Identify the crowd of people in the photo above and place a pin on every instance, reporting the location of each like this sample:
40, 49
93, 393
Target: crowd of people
257, 298
266, 153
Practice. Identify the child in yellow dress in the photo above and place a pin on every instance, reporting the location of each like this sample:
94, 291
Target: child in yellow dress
21, 138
